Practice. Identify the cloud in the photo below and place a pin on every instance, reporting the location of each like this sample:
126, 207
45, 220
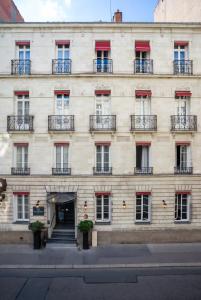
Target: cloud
44, 10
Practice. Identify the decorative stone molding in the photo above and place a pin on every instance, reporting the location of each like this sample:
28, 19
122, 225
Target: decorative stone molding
61, 188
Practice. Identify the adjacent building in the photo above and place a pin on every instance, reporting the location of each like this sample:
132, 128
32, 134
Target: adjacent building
101, 121
9, 12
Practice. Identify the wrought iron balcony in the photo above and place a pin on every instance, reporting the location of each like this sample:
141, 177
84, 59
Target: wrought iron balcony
103, 65
102, 171
184, 67
102, 123
61, 66
20, 123
183, 123
20, 66
61, 171
20, 171
143, 171
61, 123
143, 66
143, 123
183, 170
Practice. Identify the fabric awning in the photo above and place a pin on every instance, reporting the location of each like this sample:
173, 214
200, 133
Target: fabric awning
103, 45
62, 92
21, 93
183, 94
141, 93
142, 46
181, 43
62, 42
22, 43
102, 92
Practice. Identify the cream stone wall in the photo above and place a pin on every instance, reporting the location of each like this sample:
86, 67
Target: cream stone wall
177, 11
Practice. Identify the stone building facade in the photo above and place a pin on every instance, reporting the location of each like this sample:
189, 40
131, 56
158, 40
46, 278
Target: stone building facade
101, 120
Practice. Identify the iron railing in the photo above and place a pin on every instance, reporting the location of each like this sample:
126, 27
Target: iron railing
61, 171
20, 171
102, 123
144, 66
20, 123
103, 65
102, 171
184, 67
61, 66
183, 170
183, 123
143, 123
61, 123
143, 171
20, 66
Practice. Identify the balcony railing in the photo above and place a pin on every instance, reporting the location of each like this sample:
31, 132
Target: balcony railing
143, 66
61, 123
143, 123
102, 123
61, 66
102, 171
103, 65
20, 123
143, 171
20, 171
183, 170
184, 67
183, 123
20, 66
61, 171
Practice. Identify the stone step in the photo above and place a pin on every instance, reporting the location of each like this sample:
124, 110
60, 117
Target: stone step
60, 240
60, 245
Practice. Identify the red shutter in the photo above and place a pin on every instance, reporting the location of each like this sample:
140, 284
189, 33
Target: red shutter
21, 144
102, 143
22, 43
183, 192
143, 193
141, 93
102, 92
142, 46
143, 143
102, 193
21, 93
61, 143
62, 42
183, 143
181, 43
21, 193
183, 93
103, 45
62, 92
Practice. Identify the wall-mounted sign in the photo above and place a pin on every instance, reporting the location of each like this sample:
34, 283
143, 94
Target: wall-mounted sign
38, 211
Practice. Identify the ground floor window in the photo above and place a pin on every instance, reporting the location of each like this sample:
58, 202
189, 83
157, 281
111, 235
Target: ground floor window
182, 207
103, 204
143, 207
21, 207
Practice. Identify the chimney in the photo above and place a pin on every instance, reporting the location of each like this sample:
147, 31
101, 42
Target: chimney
117, 16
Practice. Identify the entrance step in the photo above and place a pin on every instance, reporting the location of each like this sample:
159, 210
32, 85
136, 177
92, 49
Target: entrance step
62, 236
60, 245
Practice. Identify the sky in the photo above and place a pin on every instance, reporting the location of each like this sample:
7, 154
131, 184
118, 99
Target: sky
85, 10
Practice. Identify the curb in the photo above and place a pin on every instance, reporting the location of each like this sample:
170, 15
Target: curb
103, 266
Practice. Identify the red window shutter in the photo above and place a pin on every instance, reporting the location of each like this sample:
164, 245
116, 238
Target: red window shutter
102, 143
143, 193
21, 144
142, 46
183, 93
21, 193
62, 92
102, 92
183, 143
103, 45
181, 43
22, 43
21, 93
61, 143
143, 143
140, 93
103, 194
62, 42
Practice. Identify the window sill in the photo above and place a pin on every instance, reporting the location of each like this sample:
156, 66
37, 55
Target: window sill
143, 223
21, 222
102, 223
182, 222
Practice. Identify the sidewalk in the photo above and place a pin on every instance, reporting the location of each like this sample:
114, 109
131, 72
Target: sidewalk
138, 255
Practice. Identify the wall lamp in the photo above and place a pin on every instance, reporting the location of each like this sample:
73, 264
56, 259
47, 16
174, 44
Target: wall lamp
85, 205
164, 204
124, 204
38, 204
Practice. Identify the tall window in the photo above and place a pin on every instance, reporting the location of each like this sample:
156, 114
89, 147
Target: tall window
63, 55
62, 103
103, 208
103, 158
183, 158
142, 57
21, 204
143, 207
61, 156
103, 111
182, 205
103, 63
143, 159
22, 121
24, 59
62, 118
21, 157
181, 57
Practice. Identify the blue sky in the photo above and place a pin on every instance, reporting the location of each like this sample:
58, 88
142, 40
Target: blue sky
85, 10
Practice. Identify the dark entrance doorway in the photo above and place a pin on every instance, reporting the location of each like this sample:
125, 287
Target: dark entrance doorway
65, 215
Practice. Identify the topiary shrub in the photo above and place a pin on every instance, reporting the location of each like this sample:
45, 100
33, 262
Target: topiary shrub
85, 226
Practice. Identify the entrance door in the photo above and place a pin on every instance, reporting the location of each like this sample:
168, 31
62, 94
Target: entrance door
65, 215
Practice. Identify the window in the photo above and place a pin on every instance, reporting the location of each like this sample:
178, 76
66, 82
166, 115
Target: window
103, 111
103, 63
103, 159
182, 205
63, 121
103, 204
180, 51
24, 59
22, 121
143, 207
182, 64
143, 159
63, 54
183, 158
62, 103
21, 206
143, 64
21, 156
61, 156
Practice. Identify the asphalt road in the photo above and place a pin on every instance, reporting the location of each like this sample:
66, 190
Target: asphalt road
101, 284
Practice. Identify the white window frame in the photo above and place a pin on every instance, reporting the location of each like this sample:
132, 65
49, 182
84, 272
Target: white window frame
62, 48
102, 220
188, 207
15, 200
23, 156
102, 157
55, 153
141, 206
64, 110
188, 163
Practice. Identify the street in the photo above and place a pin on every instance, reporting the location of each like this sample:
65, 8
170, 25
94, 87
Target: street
98, 284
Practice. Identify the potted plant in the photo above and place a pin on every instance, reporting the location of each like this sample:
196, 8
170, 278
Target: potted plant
85, 226
36, 227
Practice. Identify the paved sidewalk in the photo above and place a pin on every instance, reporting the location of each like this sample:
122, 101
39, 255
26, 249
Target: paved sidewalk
115, 255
